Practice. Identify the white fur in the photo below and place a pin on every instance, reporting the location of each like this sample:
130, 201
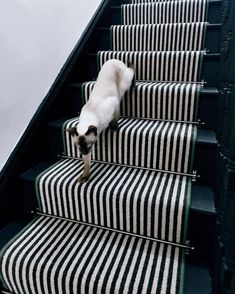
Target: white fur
113, 81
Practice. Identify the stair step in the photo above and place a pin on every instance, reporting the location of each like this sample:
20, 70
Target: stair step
213, 17
123, 198
145, 143
207, 107
82, 259
212, 39
167, 101
164, 12
196, 273
205, 157
202, 196
202, 208
89, 72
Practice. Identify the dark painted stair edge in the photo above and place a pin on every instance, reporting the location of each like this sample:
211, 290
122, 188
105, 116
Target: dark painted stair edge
23, 154
205, 151
206, 110
213, 17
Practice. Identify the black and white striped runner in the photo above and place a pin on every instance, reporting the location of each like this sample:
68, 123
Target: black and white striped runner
167, 146
153, 1
143, 202
164, 12
56, 256
140, 181
167, 101
158, 37
163, 66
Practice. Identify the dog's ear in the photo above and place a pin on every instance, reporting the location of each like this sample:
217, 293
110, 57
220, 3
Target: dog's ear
72, 131
91, 129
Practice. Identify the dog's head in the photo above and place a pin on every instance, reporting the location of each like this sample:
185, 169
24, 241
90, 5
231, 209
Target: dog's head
85, 141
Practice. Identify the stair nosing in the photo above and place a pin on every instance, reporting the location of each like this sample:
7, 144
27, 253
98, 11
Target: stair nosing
30, 176
199, 140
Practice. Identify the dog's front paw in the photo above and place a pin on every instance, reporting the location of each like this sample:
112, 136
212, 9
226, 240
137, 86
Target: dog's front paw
83, 179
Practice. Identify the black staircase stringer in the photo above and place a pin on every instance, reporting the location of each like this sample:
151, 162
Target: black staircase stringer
224, 274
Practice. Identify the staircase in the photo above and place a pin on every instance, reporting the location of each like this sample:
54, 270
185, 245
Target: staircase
127, 230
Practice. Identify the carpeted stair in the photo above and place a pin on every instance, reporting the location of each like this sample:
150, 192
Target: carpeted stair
124, 231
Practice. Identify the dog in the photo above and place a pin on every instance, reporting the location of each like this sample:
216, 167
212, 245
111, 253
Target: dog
102, 109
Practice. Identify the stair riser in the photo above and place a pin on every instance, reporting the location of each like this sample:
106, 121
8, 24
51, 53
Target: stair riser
203, 238
197, 234
206, 111
87, 69
204, 163
214, 13
212, 40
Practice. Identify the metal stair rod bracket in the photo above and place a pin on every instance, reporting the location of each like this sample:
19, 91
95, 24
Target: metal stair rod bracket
195, 176
200, 123
203, 83
187, 251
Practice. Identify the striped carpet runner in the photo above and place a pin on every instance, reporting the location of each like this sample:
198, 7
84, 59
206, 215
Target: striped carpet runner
160, 65
166, 101
158, 37
125, 229
151, 144
188, 11
56, 256
120, 197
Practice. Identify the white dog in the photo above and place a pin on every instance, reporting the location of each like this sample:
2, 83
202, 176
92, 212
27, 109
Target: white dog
102, 109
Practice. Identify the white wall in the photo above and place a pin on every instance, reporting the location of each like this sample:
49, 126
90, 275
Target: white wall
36, 38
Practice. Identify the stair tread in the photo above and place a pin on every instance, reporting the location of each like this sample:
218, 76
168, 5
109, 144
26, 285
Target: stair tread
203, 199
169, 101
152, 65
128, 2
202, 196
209, 26
91, 258
111, 189
204, 90
209, 56
196, 275
148, 143
204, 136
